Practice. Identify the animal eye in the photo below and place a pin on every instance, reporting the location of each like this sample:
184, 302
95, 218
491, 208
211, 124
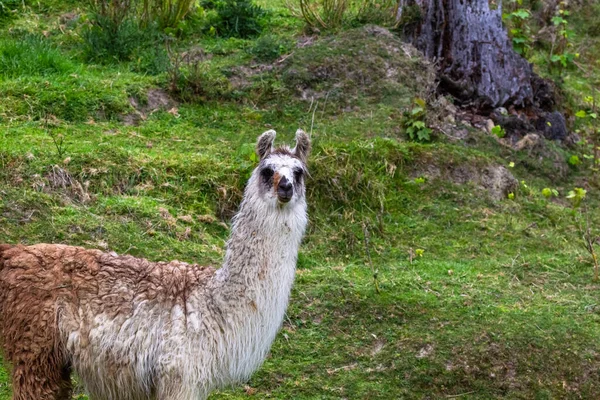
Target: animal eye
298, 174
266, 174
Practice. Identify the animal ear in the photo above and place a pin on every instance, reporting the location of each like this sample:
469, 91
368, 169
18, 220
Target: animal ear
264, 145
302, 148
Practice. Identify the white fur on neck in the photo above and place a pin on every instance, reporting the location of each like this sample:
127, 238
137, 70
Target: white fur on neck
264, 282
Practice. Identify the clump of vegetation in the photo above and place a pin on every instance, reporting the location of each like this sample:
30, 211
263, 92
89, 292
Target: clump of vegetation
519, 29
166, 13
414, 122
29, 55
328, 15
192, 79
110, 40
269, 47
322, 14
379, 12
234, 18
133, 29
561, 52
498, 131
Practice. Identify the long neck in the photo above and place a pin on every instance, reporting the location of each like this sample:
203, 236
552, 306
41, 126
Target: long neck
264, 243
252, 289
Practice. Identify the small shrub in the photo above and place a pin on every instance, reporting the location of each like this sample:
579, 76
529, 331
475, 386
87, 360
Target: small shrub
378, 12
166, 13
114, 39
414, 122
321, 14
269, 48
234, 18
106, 40
410, 17
519, 29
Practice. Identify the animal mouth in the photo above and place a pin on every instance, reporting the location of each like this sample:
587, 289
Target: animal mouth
284, 198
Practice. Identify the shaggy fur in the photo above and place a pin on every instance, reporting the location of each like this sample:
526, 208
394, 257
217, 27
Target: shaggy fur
134, 329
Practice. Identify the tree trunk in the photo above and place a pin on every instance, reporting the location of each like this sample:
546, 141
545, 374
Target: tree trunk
474, 54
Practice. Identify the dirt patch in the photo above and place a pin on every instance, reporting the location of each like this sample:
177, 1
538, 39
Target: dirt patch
496, 180
156, 99
240, 77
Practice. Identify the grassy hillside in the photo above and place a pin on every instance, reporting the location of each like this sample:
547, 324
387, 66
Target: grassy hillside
426, 272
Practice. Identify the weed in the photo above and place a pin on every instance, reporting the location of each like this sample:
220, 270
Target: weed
269, 47
110, 40
498, 131
234, 18
582, 223
168, 14
193, 79
548, 193
409, 16
378, 12
414, 122
574, 160
519, 30
560, 52
321, 14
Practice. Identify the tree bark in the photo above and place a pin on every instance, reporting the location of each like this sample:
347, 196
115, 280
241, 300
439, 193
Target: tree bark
474, 54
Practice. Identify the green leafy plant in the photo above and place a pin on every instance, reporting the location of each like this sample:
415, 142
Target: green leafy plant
576, 196
414, 122
269, 48
234, 18
498, 131
561, 43
588, 129
519, 30
549, 193
574, 160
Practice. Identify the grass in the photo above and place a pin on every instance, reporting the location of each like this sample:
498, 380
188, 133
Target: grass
498, 302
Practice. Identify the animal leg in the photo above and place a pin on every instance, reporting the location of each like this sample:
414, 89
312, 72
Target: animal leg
36, 381
41, 380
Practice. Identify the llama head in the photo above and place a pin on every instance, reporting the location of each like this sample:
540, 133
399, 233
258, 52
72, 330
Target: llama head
281, 171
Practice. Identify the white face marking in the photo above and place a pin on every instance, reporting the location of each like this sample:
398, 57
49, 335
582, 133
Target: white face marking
274, 171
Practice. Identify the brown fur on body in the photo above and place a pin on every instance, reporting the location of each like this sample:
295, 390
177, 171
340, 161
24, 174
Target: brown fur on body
45, 287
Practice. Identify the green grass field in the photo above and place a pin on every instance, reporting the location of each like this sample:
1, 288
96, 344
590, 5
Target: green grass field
412, 281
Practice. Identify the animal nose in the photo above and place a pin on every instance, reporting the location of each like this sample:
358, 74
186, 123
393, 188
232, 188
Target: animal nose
285, 190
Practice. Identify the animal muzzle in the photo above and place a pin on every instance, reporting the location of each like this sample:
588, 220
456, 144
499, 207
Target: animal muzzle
285, 190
